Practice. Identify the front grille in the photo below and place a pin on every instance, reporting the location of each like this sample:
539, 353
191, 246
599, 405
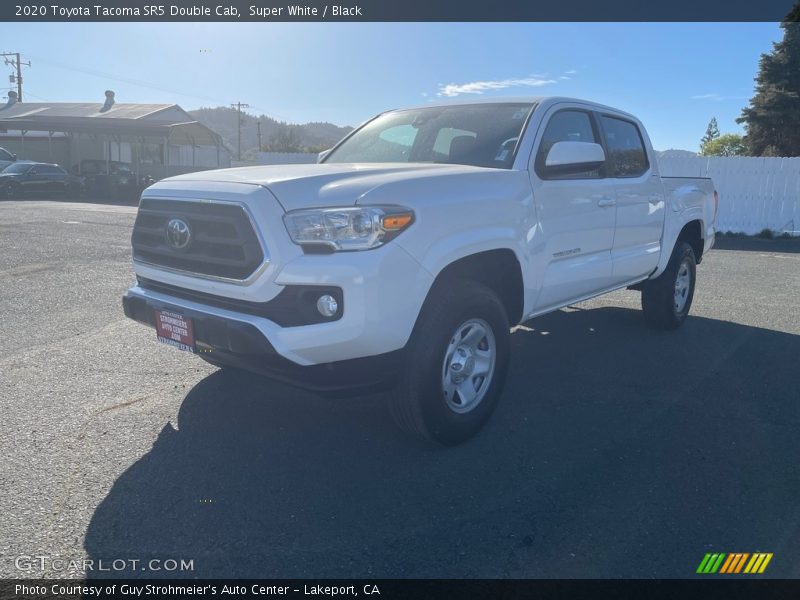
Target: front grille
222, 242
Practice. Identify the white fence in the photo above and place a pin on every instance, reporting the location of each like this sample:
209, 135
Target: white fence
755, 193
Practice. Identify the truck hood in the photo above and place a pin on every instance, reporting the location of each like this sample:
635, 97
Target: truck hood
323, 185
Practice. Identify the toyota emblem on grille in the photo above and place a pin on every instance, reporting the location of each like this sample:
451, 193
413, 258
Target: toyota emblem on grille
178, 233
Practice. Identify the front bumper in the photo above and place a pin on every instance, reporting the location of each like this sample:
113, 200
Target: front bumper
227, 341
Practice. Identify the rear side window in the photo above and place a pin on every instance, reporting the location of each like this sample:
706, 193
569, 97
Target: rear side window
566, 126
625, 147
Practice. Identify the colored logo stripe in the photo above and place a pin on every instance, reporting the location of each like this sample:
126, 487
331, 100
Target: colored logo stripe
758, 563
710, 563
734, 562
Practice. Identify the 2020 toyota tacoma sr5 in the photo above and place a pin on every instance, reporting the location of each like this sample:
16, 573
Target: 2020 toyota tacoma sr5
405, 256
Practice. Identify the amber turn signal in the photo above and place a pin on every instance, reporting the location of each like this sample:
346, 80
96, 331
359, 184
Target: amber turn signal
396, 222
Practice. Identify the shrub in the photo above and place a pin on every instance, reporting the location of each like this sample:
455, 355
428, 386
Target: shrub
766, 234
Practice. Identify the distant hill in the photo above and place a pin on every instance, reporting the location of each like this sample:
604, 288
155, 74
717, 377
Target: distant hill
672, 153
276, 136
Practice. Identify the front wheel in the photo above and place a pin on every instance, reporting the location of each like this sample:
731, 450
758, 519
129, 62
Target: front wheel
456, 364
12, 190
666, 300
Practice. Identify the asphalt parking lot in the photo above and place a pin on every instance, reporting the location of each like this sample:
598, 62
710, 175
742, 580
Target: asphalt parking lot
616, 451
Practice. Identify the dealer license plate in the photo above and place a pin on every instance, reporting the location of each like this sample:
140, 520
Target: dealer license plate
175, 329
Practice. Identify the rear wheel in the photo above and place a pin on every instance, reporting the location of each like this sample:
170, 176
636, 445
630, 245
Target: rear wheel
667, 299
456, 364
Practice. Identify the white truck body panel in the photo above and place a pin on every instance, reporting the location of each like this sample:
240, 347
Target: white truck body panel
573, 238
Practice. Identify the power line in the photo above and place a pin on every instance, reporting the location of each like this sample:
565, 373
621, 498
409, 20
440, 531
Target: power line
136, 82
145, 84
15, 60
28, 92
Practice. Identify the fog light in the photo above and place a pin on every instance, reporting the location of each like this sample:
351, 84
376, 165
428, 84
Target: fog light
327, 305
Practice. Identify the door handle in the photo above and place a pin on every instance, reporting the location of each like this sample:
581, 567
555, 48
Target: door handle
604, 202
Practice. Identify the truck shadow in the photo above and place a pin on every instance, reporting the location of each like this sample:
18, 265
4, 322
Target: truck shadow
615, 452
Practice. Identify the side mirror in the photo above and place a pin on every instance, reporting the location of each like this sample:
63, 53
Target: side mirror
321, 156
574, 157
13, 157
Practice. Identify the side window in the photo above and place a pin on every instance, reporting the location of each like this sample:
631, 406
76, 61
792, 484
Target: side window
5, 155
566, 126
625, 147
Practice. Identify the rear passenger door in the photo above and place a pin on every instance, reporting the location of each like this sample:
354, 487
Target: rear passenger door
576, 214
640, 199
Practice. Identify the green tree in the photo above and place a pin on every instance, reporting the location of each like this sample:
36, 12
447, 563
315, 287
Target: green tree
772, 121
712, 132
286, 140
730, 144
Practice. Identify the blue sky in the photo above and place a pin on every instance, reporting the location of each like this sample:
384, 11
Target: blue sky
674, 76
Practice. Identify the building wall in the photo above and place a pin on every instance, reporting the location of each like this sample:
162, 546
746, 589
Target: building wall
39, 148
146, 155
199, 156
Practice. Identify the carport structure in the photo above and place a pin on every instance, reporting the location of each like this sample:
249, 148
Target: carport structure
157, 139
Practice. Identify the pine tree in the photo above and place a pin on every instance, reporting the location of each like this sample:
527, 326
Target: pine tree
712, 133
772, 121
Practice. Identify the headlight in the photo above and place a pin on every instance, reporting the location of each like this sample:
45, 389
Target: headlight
357, 228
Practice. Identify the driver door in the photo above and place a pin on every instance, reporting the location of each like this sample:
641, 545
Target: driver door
576, 213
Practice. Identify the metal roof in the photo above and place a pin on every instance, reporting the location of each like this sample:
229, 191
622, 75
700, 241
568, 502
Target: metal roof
83, 109
134, 120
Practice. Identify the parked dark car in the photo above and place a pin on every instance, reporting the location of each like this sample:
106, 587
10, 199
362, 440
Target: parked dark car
110, 178
34, 179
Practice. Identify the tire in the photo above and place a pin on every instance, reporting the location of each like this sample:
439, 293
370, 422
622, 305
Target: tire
462, 329
667, 299
12, 190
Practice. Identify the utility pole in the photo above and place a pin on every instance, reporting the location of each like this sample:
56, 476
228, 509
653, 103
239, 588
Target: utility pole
260, 147
239, 106
15, 60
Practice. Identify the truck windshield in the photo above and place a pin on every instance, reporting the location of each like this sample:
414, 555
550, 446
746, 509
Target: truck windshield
480, 135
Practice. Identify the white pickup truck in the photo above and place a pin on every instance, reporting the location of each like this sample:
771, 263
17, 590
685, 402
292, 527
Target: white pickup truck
403, 258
